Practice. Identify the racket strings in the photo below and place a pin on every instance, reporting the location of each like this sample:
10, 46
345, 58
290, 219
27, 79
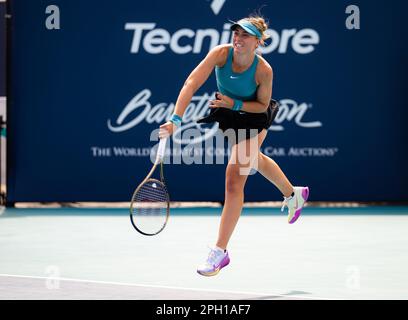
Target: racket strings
150, 207
151, 192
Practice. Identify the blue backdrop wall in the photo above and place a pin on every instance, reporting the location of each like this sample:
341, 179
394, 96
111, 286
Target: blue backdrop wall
86, 96
2, 49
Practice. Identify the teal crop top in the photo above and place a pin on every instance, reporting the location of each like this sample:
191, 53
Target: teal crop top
241, 86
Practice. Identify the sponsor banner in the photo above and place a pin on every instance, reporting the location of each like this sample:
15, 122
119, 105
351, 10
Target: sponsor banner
92, 82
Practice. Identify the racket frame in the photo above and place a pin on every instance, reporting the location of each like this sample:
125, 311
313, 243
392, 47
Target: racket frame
158, 161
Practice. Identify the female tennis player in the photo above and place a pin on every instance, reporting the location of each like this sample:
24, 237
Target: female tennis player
244, 81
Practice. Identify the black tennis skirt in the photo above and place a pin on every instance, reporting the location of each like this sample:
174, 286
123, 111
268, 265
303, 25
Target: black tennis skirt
245, 125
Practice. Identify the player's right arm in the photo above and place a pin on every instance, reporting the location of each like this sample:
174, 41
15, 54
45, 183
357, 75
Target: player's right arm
195, 80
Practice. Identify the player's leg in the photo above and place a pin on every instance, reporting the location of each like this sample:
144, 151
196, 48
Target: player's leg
294, 197
243, 155
271, 171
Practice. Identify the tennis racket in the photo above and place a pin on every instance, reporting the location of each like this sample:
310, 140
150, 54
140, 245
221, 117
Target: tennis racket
150, 204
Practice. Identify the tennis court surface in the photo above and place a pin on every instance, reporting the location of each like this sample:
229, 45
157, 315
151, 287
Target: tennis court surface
83, 253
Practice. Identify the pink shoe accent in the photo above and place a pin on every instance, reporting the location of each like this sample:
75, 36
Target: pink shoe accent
295, 216
305, 193
225, 262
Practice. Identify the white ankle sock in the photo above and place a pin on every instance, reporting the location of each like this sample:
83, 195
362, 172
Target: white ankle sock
290, 197
219, 249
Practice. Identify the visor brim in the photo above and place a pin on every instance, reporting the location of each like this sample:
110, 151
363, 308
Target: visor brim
246, 29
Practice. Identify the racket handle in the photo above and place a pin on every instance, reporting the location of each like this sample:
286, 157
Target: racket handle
161, 148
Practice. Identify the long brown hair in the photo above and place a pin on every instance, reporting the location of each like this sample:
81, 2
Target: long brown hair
260, 23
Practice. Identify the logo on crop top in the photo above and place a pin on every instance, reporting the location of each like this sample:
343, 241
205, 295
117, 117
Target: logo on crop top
150, 38
141, 109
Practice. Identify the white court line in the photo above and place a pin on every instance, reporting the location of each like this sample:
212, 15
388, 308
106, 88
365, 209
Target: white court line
166, 287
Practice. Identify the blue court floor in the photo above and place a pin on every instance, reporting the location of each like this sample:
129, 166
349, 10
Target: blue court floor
329, 253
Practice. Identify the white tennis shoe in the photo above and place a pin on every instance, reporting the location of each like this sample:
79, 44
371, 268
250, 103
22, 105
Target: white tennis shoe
217, 259
295, 203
